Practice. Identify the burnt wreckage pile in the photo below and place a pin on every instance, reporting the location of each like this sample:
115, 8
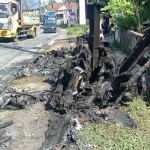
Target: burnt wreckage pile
94, 76
79, 89
83, 79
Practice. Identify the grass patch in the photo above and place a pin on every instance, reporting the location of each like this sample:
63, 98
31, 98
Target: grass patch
20, 82
75, 30
23, 81
121, 47
108, 136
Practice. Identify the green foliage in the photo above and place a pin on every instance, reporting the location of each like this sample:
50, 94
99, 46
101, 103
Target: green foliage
121, 47
120, 6
134, 12
108, 136
129, 22
144, 11
75, 30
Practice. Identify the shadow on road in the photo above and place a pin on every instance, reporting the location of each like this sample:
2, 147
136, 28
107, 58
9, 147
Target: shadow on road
18, 48
48, 32
22, 38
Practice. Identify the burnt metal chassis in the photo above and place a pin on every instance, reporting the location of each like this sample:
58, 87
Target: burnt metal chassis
133, 68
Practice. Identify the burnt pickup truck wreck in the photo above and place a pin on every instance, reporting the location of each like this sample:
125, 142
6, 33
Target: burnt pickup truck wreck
88, 84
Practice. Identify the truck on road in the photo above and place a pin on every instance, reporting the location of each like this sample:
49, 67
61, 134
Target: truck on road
49, 17
50, 23
19, 17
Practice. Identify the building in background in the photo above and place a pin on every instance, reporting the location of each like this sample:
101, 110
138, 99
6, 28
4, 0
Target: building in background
66, 12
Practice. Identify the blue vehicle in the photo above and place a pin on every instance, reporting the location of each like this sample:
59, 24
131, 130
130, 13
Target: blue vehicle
51, 16
50, 27
50, 23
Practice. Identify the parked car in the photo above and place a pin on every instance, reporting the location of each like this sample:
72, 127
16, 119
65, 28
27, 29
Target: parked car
50, 27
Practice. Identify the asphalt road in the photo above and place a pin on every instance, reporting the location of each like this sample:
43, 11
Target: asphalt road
12, 57
12, 53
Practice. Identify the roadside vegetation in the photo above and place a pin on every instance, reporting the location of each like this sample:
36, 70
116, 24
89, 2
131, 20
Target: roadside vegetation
75, 30
121, 47
134, 13
107, 136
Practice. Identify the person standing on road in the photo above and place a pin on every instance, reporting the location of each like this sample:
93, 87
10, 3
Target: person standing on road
106, 18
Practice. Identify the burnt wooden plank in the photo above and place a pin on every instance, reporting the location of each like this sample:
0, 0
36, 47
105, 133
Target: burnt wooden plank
137, 53
93, 14
4, 125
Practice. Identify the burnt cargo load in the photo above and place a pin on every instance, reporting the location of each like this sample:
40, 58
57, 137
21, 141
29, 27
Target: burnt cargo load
18, 17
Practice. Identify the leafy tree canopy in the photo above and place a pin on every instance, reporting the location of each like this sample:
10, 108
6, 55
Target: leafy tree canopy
134, 12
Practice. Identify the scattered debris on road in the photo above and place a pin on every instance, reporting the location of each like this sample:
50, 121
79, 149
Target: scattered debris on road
3, 137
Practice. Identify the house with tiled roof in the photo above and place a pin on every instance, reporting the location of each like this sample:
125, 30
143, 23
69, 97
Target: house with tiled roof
63, 10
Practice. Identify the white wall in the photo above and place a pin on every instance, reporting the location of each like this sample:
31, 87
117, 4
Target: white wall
127, 38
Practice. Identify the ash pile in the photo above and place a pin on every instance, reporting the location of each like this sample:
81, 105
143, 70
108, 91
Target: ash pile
80, 91
13, 99
82, 94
